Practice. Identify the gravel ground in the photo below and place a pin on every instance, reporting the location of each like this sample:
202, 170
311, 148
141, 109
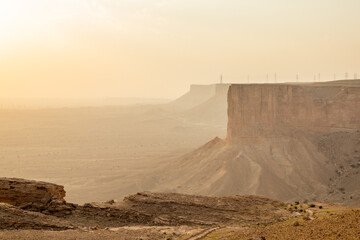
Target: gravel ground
332, 226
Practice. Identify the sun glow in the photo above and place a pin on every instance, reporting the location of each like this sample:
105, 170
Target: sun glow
52, 45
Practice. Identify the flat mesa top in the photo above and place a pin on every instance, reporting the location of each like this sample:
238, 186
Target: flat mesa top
339, 83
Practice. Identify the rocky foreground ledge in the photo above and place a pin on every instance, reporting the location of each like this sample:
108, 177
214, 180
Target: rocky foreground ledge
40, 205
37, 210
47, 198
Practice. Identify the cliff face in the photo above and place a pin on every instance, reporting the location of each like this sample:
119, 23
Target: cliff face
277, 109
285, 141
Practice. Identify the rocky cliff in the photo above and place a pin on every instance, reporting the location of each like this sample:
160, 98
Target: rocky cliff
285, 141
276, 109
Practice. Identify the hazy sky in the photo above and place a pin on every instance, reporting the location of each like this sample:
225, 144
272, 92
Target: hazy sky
157, 48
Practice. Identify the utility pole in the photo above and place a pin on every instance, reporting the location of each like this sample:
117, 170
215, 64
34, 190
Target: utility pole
334, 76
355, 75
221, 79
267, 77
346, 75
248, 78
319, 77
275, 77
314, 77
297, 77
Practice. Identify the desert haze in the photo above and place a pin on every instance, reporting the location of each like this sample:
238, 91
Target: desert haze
94, 150
179, 120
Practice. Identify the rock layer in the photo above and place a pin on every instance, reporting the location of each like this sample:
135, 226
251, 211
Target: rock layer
276, 109
34, 195
14, 218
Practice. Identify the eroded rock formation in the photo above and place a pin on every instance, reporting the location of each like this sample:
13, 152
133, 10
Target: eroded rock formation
35, 196
278, 146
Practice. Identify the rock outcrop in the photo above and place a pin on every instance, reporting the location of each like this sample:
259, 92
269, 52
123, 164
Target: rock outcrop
15, 218
34, 196
172, 209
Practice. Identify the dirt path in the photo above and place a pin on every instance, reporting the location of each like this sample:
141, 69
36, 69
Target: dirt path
203, 234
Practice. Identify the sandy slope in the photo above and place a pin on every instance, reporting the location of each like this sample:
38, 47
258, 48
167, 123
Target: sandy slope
286, 168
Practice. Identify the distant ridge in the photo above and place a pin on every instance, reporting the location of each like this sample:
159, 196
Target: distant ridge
197, 95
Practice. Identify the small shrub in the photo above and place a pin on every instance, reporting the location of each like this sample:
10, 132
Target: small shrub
312, 205
320, 207
297, 202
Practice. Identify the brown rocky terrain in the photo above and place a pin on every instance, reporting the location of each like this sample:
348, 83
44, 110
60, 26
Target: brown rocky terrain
12, 217
330, 225
173, 216
285, 141
146, 208
196, 213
